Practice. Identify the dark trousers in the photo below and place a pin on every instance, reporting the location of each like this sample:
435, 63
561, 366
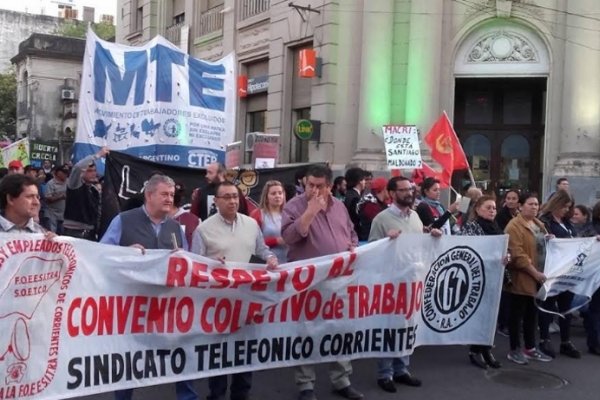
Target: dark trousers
591, 321
86, 234
240, 386
559, 303
477, 348
504, 311
184, 390
522, 311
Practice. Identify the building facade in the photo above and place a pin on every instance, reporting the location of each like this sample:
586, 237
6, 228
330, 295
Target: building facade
519, 79
16, 27
48, 69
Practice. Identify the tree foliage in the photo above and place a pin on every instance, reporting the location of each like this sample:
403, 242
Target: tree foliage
78, 29
8, 103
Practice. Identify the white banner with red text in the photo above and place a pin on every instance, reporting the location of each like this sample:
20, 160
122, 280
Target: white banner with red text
78, 318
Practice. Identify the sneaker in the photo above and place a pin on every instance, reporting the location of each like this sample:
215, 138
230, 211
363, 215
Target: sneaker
503, 331
569, 350
546, 348
535, 354
307, 395
517, 357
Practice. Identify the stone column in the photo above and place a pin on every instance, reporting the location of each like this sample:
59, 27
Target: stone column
375, 83
424, 64
346, 76
579, 156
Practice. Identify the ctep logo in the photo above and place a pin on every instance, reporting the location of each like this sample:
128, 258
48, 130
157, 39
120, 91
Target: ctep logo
201, 158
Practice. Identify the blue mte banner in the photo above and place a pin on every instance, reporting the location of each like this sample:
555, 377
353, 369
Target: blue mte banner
155, 102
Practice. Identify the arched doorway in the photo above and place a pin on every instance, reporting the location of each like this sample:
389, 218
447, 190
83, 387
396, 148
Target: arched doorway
499, 106
500, 123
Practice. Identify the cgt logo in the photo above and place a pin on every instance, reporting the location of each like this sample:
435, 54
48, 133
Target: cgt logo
453, 289
201, 158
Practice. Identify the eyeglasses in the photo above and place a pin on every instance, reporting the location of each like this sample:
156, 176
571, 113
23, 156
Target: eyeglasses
228, 197
311, 186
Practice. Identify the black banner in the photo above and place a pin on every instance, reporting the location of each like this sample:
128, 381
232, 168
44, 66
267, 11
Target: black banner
125, 176
40, 150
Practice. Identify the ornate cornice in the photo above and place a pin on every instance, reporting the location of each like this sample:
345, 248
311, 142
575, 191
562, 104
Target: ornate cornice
503, 47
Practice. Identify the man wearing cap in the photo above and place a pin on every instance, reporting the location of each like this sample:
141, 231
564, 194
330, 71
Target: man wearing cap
370, 205
82, 208
15, 167
55, 196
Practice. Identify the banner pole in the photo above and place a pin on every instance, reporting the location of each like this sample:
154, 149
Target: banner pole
471, 177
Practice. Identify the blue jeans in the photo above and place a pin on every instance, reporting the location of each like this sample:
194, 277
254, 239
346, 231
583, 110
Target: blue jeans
387, 368
184, 390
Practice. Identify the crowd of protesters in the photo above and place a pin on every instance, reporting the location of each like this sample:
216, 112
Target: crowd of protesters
321, 216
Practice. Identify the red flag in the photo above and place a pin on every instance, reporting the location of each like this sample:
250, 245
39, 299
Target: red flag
426, 171
445, 147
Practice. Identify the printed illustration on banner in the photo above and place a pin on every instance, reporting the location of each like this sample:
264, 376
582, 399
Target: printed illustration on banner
454, 288
32, 283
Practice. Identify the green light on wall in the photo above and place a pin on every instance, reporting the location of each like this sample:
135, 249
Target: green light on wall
378, 83
415, 90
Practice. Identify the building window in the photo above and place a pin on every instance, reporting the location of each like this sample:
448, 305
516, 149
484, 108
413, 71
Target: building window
299, 147
137, 16
179, 19
255, 122
66, 12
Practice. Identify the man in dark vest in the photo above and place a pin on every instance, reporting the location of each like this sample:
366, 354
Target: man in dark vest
149, 227
82, 208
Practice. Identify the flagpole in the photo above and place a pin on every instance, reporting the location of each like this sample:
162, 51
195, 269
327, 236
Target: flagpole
471, 176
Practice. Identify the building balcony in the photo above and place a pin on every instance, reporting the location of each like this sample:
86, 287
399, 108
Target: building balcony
208, 22
173, 33
250, 8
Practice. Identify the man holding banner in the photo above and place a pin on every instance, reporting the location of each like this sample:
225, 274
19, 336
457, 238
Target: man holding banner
148, 227
214, 238
398, 218
317, 224
83, 198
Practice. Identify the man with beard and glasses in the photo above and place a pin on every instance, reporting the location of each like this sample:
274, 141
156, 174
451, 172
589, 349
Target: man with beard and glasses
396, 219
203, 197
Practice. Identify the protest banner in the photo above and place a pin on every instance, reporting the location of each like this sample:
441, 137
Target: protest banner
41, 150
233, 155
18, 150
156, 102
125, 177
571, 264
80, 317
402, 148
265, 148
